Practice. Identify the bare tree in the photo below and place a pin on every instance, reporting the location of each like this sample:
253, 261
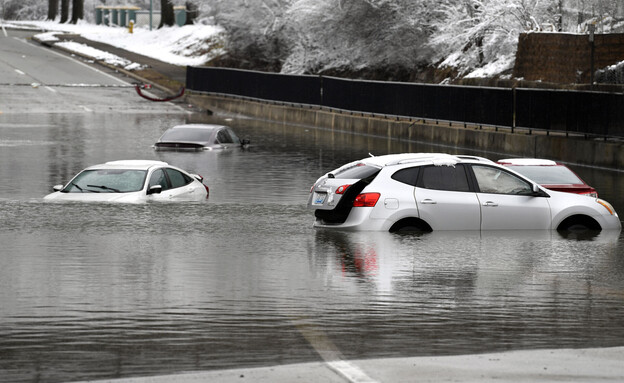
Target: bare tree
167, 16
52, 9
64, 11
77, 11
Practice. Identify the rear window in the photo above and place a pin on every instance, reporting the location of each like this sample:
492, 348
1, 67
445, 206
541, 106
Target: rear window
187, 134
407, 176
358, 171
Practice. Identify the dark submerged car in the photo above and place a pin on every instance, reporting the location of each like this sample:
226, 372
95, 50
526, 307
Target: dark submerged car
199, 137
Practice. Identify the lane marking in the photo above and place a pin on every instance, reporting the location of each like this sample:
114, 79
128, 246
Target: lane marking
51, 89
331, 355
78, 62
20, 72
4, 31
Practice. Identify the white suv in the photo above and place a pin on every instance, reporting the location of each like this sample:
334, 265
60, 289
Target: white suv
432, 191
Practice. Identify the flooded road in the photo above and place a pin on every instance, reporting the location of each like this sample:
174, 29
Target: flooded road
94, 291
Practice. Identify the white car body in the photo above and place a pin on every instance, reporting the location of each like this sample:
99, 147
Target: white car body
150, 181
407, 202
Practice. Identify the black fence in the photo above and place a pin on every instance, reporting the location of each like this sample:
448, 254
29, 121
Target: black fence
589, 113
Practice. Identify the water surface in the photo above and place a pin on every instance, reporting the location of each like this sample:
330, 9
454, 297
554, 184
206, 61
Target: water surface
93, 291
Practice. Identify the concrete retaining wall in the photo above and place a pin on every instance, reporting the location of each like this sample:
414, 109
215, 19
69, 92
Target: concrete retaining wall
575, 150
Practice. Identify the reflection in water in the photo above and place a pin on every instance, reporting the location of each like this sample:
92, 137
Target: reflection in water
91, 291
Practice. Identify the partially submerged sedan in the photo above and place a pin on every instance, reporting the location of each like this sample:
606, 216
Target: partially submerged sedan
430, 191
132, 181
196, 137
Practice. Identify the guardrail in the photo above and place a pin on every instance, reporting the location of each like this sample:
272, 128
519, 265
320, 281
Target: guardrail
592, 114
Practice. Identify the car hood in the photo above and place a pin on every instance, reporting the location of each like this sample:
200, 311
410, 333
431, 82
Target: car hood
97, 197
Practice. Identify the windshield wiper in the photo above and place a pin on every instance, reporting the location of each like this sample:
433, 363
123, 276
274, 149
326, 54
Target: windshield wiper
104, 187
77, 187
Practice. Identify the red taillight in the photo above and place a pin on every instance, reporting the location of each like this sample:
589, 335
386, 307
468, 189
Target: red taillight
366, 200
199, 178
341, 189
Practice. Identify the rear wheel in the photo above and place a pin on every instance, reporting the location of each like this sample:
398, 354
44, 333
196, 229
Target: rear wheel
410, 225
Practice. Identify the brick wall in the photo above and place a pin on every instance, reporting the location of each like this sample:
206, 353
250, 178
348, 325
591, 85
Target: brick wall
565, 58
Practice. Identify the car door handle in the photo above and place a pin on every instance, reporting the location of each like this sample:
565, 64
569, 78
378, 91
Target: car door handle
428, 202
490, 203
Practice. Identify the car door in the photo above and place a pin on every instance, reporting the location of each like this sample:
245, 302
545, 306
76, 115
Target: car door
158, 177
444, 198
182, 186
507, 201
175, 185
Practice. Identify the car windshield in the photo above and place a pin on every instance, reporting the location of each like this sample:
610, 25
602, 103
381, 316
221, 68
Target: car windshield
358, 171
548, 175
107, 181
187, 135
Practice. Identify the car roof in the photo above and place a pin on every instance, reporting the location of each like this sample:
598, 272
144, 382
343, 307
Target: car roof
424, 158
199, 126
527, 162
129, 164
438, 159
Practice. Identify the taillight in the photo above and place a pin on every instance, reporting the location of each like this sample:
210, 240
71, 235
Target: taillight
207, 190
366, 200
341, 189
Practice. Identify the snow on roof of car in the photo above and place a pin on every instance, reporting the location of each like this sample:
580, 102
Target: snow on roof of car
527, 161
438, 159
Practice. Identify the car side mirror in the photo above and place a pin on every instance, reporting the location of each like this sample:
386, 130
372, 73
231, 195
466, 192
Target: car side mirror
57, 188
537, 192
155, 189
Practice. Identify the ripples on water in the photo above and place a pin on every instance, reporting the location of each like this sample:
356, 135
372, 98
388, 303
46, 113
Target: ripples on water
102, 291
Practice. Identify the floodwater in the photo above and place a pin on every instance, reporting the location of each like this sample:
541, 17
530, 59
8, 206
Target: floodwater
95, 291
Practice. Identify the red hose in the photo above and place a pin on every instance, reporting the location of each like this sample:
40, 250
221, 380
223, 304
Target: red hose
138, 90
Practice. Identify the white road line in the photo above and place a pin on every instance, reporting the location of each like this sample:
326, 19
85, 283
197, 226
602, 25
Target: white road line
331, 355
86, 109
4, 31
51, 89
20, 72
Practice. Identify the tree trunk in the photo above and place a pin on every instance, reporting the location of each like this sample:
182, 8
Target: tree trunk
52, 9
192, 12
77, 11
64, 11
167, 16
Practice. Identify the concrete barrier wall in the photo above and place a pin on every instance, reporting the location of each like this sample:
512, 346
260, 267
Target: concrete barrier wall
575, 150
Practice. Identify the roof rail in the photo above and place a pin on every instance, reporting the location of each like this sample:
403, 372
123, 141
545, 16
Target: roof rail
475, 158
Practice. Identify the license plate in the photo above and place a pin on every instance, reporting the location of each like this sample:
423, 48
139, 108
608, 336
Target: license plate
319, 198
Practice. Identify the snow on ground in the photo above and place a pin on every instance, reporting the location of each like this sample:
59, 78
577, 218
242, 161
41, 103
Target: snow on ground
185, 45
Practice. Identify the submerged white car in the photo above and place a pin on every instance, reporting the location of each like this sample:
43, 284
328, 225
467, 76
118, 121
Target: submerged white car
432, 191
132, 181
